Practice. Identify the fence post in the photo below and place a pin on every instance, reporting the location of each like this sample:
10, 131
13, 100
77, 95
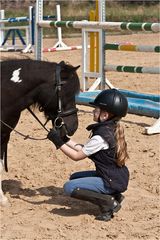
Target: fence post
38, 30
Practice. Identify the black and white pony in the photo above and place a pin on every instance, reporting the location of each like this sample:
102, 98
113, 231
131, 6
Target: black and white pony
47, 85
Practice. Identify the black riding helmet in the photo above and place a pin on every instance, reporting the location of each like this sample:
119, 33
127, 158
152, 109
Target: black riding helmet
113, 101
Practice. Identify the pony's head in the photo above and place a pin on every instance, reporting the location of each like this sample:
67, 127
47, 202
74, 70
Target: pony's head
64, 113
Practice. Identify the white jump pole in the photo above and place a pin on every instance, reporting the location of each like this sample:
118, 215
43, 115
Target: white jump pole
60, 43
28, 29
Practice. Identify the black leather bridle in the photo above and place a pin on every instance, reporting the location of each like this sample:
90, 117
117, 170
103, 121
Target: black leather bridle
58, 122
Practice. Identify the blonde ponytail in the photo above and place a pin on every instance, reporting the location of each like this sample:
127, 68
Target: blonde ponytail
122, 154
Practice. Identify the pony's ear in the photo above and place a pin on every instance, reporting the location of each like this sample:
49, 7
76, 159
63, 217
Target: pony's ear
75, 68
62, 63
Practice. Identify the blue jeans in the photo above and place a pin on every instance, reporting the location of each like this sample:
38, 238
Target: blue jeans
86, 180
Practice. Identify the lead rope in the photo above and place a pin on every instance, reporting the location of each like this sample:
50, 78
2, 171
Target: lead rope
43, 125
21, 134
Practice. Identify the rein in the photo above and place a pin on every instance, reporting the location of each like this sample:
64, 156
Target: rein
43, 125
21, 134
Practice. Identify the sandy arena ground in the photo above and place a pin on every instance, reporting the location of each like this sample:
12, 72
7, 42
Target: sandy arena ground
39, 210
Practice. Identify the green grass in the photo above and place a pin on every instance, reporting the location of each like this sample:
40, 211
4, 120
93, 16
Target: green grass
114, 11
133, 13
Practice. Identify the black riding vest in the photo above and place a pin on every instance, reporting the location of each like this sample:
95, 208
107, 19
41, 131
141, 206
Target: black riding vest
105, 160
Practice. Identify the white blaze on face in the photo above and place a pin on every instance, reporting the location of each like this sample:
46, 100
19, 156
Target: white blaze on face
15, 76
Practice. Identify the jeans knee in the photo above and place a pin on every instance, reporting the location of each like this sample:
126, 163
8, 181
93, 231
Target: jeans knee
68, 188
